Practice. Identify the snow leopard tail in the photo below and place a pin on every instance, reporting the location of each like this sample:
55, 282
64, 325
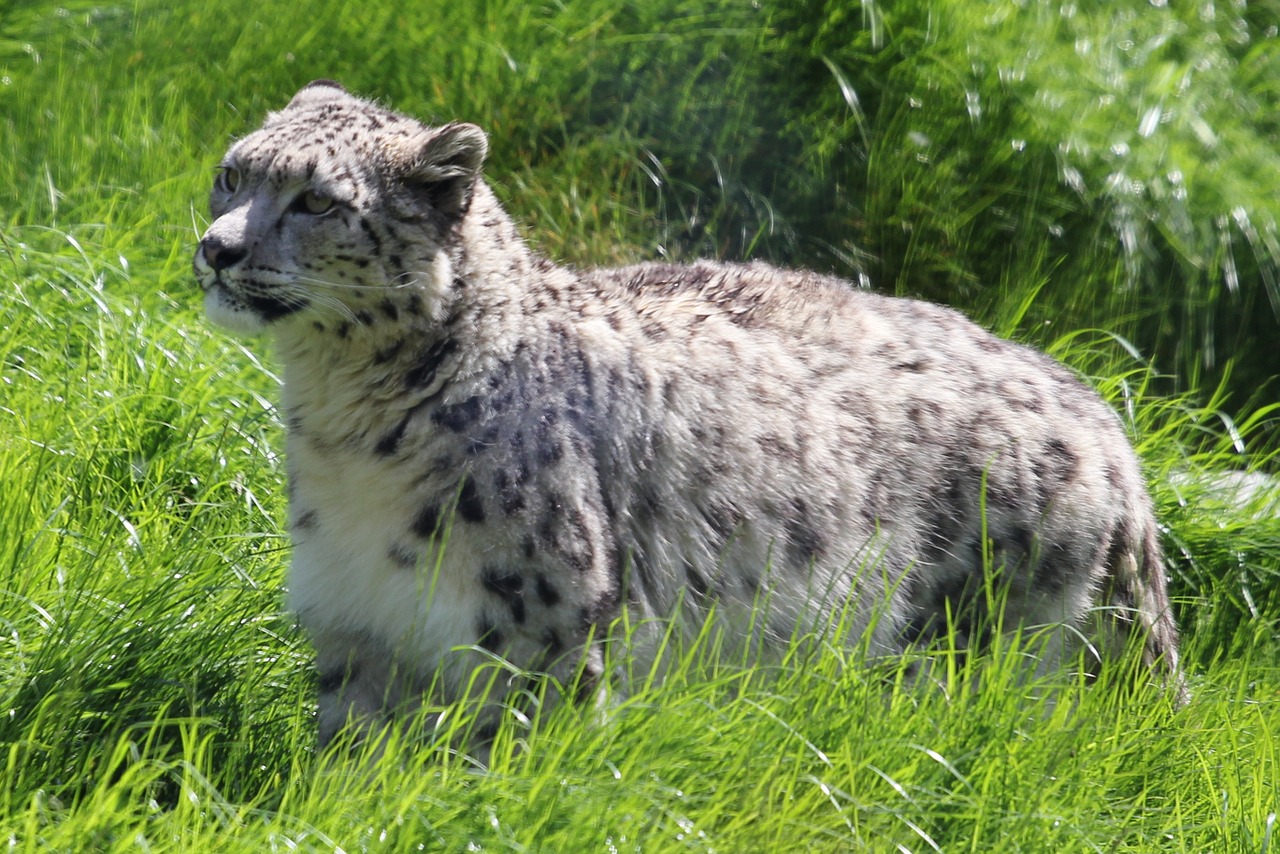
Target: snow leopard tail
1139, 597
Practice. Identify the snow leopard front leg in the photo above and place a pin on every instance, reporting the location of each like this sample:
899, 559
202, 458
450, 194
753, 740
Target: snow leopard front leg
364, 684
367, 686
357, 678
521, 627
548, 604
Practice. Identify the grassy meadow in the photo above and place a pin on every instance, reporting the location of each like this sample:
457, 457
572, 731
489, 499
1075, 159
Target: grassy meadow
1100, 180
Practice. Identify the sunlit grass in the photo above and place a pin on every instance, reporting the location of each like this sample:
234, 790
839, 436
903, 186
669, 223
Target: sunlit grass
154, 697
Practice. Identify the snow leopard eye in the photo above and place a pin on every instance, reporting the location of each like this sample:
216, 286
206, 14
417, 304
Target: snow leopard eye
228, 179
313, 202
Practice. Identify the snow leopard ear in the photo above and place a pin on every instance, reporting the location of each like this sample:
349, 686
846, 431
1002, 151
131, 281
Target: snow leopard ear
317, 91
448, 165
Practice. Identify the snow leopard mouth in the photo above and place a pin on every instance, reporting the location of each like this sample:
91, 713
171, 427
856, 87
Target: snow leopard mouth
249, 306
272, 309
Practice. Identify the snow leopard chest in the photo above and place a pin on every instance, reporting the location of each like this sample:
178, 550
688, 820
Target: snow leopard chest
368, 540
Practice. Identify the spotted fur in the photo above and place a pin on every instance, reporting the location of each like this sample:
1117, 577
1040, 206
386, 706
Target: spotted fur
492, 455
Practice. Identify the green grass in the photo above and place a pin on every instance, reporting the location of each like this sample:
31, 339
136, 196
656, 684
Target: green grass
154, 697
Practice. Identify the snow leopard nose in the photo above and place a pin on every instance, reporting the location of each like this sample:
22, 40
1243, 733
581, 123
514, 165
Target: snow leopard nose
219, 255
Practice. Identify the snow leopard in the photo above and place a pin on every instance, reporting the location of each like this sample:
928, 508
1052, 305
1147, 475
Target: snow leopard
494, 457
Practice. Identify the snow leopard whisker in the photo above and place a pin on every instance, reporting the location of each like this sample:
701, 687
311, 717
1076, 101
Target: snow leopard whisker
351, 286
309, 301
327, 283
317, 300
